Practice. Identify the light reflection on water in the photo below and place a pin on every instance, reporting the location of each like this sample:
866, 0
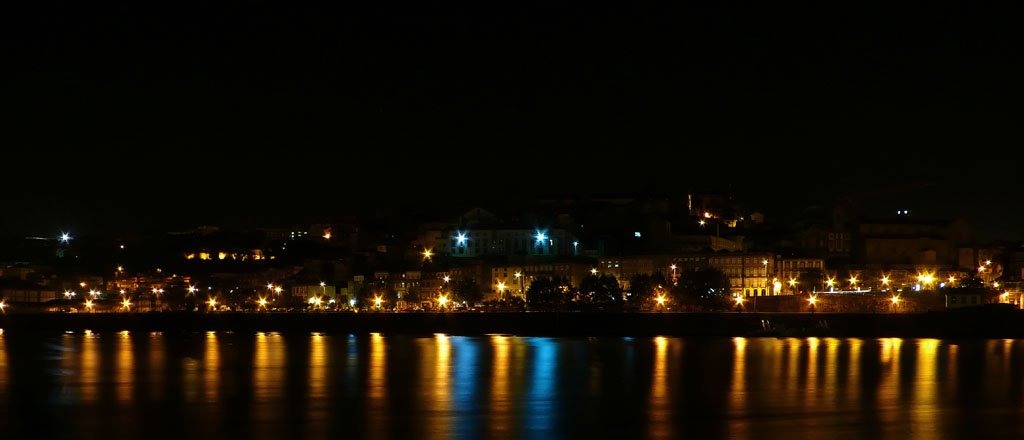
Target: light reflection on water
269, 385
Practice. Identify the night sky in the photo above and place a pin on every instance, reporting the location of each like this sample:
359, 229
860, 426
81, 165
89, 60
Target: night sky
132, 116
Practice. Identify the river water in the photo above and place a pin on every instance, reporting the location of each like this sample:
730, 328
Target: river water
268, 385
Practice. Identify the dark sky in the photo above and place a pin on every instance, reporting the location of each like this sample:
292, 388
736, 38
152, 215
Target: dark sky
117, 115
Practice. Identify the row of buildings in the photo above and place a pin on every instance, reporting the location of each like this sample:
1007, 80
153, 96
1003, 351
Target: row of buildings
505, 253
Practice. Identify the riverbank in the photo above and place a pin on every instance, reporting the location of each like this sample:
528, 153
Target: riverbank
979, 322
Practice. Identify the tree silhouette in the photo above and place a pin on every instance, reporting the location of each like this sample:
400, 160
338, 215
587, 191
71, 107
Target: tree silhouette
466, 289
644, 287
707, 286
548, 293
601, 290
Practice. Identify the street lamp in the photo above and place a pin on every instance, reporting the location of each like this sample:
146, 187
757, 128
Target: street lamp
593, 271
262, 302
442, 301
427, 254
661, 300
126, 304
377, 301
65, 237
88, 304
501, 289
540, 236
212, 302
739, 299
895, 299
853, 282
812, 300
192, 289
519, 276
447, 279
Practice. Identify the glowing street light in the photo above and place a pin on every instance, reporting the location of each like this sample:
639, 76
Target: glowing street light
853, 281
593, 271
120, 268
812, 300
327, 235
3, 306
262, 302
428, 254
94, 292
460, 239
661, 300
447, 278
951, 279
442, 301
278, 290
995, 284
792, 282
830, 282
126, 304
211, 303
65, 237
540, 236
988, 262
192, 289
88, 304
377, 301
501, 288
885, 280
895, 299
270, 286
69, 294
701, 222
739, 300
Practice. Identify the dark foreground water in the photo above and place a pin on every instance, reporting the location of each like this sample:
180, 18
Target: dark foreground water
268, 385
